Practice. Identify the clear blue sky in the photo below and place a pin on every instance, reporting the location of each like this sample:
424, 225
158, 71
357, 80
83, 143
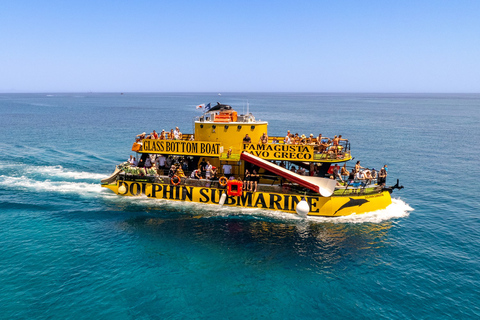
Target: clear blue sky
221, 46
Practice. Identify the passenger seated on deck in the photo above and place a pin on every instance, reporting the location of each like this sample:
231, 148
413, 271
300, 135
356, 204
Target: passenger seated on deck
172, 171
171, 135
192, 138
246, 181
254, 178
141, 136
247, 139
134, 162
130, 160
287, 139
368, 176
196, 174
303, 140
180, 173
359, 176
154, 135
162, 135
324, 146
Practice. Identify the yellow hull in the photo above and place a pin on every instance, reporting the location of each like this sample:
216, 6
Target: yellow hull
319, 206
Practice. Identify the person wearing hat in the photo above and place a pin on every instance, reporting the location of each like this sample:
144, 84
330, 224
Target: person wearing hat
310, 139
382, 176
303, 139
141, 136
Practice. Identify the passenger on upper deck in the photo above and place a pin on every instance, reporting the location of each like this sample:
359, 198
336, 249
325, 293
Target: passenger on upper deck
287, 139
247, 139
177, 133
303, 140
324, 146
141, 136
171, 135
263, 139
162, 135
196, 174
130, 160
192, 138
296, 139
310, 139
154, 135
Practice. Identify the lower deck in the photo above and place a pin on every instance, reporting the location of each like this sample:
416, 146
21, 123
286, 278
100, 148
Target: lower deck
280, 198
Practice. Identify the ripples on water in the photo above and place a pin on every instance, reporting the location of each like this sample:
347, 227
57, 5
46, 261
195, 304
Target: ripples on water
72, 248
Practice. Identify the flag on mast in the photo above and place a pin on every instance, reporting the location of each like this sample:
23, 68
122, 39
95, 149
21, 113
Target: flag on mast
207, 107
201, 106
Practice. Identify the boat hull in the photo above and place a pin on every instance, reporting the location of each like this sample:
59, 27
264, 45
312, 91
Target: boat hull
319, 206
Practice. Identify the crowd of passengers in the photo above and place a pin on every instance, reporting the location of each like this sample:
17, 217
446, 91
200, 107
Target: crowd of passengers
325, 145
184, 166
164, 135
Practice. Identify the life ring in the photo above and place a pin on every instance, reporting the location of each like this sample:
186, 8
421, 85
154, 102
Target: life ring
173, 180
232, 185
223, 181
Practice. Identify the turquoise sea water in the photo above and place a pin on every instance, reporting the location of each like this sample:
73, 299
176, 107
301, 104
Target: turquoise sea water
70, 249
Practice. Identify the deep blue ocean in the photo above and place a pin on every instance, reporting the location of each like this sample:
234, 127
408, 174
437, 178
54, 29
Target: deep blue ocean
70, 249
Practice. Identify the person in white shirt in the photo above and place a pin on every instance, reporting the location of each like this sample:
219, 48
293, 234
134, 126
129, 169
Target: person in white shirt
208, 170
130, 160
176, 133
227, 170
160, 161
359, 175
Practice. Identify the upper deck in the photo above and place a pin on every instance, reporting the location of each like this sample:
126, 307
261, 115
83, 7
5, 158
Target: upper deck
221, 133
